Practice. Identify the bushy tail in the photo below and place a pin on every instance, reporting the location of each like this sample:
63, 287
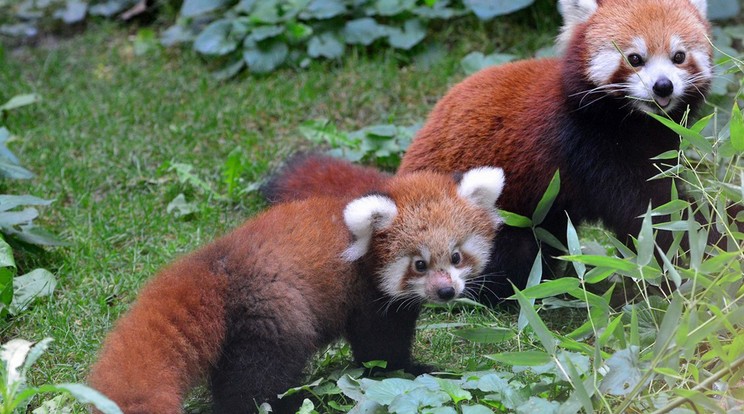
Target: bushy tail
167, 341
306, 175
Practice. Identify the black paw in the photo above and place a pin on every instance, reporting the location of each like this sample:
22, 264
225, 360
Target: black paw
417, 369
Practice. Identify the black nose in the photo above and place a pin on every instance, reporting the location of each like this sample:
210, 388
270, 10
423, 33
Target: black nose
446, 293
663, 87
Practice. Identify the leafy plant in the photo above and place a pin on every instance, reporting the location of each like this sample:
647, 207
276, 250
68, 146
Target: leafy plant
380, 144
17, 292
18, 355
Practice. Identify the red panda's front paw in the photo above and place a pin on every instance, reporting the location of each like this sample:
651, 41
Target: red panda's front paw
417, 369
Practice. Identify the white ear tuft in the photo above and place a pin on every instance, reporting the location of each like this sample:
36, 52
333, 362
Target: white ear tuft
574, 12
363, 216
702, 6
482, 187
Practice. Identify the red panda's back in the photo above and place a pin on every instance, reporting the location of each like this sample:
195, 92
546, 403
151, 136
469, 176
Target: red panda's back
502, 116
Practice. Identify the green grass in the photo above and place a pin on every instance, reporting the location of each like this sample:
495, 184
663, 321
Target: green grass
111, 122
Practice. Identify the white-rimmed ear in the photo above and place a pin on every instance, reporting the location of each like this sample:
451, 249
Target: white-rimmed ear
482, 187
702, 6
363, 217
574, 12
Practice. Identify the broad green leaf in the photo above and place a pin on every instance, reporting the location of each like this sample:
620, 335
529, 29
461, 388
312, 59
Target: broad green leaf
525, 358
412, 32
73, 12
546, 202
673, 206
488, 9
507, 394
37, 235
191, 8
375, 364
9, 201
108, 8
583, 390
701, 123
454, 390
85, 395
266, 58
392, 7
307, 407
385, 391
736, 127
230, 70
667, 155
646, 240
485, 335
9, 219
669, 325
215, 39
326, 45
26, 288
36, 351
363, 31
324, 9
548, 238
180, 207
265, 32
174, 35
671, 271
14, 171
4, 151
532, 280
538, 405
723, 9
14, 354
603, 261
19, 101
350, 387
574, 247
475, 61
691, 136
413, 401
266, 12
515, 220
475, 409
551, 288
546, 337
298, 31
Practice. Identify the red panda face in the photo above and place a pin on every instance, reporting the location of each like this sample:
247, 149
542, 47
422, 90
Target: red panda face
429, 235
655, 53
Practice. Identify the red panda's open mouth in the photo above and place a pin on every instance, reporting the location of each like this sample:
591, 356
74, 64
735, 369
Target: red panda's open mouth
663, 102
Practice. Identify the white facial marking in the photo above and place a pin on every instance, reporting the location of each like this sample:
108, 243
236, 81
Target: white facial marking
363, 216
603, 65
459, 276
391, 276
482, 187
703, 62
477, 247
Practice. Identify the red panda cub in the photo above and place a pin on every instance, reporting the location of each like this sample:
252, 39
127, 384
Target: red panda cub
583, 113
248, 310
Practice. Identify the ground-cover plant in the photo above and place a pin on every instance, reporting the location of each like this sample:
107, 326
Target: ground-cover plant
17, 214
17, 358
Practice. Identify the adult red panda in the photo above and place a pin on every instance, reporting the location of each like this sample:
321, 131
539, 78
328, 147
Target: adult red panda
248, 310
584, 114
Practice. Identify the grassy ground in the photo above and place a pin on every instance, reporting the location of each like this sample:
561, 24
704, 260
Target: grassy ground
111, 122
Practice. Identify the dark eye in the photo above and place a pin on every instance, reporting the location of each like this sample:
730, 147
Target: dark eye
456, 258
635, 60
679, 58
420, 265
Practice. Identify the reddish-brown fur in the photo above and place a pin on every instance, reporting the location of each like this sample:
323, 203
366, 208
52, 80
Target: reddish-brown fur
307, 175
248, 310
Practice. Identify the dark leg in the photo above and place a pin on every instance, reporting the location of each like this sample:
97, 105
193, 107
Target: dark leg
375, 334
512, 255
